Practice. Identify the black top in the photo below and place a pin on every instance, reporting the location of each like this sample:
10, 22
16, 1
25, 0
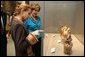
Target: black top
4, 19
3, 39
19, 34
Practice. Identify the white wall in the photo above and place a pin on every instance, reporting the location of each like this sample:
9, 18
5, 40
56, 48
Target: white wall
79, 23
58, 13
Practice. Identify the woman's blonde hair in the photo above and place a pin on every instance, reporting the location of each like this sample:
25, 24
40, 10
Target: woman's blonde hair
20, 8
35, 7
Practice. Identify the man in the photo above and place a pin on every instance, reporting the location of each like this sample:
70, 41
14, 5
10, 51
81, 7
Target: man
3, 33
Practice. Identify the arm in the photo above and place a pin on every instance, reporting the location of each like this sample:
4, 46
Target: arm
23, 40
20, 38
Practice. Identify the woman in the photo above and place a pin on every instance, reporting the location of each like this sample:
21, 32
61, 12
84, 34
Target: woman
22, 39
34, 23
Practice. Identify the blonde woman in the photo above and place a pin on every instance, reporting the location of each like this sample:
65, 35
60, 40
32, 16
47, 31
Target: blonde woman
21, 37
34, 23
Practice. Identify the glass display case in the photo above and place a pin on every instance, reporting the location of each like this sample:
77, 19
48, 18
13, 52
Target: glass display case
55, 14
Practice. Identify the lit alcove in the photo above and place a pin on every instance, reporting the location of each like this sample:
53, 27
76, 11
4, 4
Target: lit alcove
55, 14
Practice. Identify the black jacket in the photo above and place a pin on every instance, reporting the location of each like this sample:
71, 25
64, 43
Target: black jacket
3, 39
19, 34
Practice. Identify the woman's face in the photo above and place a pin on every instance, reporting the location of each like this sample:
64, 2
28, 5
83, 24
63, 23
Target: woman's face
26, 14
34, 12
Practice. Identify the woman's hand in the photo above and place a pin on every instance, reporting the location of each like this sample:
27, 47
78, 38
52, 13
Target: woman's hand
32, 37
37, 32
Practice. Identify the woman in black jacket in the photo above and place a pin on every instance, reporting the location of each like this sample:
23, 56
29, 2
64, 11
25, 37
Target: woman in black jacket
22, 39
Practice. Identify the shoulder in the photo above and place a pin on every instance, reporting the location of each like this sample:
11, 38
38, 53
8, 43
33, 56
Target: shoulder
28, 19
16, 24
39, 17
